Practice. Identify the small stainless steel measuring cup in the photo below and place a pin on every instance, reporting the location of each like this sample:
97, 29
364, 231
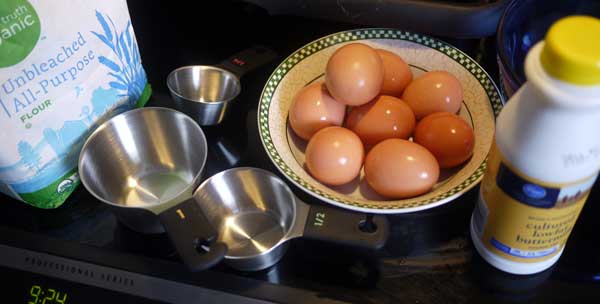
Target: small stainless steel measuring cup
206, 92
256, 214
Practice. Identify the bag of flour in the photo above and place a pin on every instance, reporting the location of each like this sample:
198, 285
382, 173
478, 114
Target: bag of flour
65, 66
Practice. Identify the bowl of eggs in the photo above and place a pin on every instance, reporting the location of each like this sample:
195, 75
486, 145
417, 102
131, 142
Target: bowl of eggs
379, 120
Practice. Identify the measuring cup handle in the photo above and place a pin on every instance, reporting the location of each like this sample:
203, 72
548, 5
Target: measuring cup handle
189, 229
346, 228
248, 60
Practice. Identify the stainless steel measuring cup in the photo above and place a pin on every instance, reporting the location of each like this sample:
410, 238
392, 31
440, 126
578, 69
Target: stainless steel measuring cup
256, 214
206, 92
145, 164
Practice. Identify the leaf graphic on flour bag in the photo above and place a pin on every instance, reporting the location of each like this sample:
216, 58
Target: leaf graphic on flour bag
127, 34
103, 39
117, 85
109, 63
124, 48
119, 78
104, 24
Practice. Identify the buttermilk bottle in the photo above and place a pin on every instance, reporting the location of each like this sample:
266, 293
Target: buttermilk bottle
546, 154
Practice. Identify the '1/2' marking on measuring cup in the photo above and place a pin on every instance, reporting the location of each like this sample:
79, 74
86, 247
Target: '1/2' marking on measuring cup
319, 219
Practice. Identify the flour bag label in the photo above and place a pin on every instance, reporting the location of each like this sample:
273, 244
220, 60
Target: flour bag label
65, 67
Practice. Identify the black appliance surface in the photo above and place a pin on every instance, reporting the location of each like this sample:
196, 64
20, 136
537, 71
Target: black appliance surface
80, 253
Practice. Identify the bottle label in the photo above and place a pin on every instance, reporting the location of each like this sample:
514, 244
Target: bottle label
522, 219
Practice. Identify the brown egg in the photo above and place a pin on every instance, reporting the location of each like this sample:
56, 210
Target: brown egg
383, 118
334, 156
314, 109
398, 168
396, 73
435, 91
447, 136
354, 74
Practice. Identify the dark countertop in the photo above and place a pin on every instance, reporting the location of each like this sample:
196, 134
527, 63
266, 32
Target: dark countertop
429, 258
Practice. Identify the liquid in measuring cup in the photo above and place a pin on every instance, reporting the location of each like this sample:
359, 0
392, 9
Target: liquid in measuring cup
154, 188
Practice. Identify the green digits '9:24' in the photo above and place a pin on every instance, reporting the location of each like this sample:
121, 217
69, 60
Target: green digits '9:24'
41, 295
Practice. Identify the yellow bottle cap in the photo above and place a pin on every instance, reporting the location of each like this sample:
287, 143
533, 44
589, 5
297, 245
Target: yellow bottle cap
572, 50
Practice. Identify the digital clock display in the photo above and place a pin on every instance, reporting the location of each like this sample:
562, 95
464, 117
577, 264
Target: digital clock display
32, 288
46, 295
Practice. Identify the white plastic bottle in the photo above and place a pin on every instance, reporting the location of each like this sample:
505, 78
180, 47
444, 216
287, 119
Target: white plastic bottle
546, 155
